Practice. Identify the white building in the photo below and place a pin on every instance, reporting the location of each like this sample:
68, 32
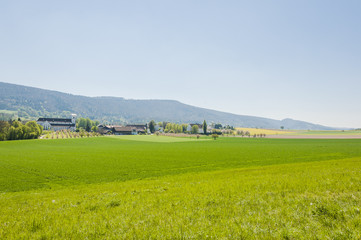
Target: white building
200, 128
57, 124
158, 128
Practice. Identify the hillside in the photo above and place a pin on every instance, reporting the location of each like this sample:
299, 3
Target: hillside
30, 103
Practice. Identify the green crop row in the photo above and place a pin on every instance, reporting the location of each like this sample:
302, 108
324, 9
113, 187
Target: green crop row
32, 164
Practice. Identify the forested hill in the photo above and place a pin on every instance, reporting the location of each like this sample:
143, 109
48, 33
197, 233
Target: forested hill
30, 103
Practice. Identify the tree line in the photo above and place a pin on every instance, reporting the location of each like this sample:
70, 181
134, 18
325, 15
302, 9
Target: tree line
169, 127
215, 129
85, 124
16, 130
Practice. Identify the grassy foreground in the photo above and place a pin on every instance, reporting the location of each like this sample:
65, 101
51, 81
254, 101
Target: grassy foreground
319, 200
231, 188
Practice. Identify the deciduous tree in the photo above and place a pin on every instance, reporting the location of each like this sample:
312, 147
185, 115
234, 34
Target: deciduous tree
195, 129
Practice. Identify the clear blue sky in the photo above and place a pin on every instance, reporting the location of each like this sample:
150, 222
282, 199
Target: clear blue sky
277, 59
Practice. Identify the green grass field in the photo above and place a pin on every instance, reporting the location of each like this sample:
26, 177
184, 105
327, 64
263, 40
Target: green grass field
328, 132
149, 187
154, 138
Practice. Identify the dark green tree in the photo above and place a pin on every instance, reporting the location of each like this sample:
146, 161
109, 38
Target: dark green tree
152, 126
204, 126
88, 125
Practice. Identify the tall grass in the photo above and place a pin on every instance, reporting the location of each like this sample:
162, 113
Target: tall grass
315, 200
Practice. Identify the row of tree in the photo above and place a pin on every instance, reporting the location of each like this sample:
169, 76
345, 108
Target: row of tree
175, 127
219, 126
16, 130
68, 134
86, 124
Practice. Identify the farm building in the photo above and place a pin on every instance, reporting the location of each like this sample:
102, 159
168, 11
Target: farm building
139, 127
57, 124
122, 130
104, 129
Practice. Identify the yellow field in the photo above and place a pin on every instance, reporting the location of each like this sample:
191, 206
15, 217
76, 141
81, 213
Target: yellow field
264, 131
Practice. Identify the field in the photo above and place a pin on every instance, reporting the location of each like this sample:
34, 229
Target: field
302, 133
349, 134
149, 187
336, 132
253, 131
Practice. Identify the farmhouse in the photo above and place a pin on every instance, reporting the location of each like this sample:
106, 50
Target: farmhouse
122, 130
139, 127
57, 124
104, 129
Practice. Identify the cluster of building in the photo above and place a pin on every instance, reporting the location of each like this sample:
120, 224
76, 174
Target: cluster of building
133, 129
58, 124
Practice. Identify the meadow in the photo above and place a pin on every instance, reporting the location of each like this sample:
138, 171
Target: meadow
151, 187
335, 132
295, 133
253, 131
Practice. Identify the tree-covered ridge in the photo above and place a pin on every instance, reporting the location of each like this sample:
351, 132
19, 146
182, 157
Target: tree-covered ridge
31, 103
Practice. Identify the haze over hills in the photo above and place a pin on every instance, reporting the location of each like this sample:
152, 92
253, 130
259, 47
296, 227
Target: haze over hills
31, 103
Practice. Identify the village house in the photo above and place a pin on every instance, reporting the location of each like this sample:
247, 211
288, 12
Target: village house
121, 130
104, 129
141, 128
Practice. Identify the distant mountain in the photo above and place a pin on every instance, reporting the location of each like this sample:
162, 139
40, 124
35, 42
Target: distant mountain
30, 103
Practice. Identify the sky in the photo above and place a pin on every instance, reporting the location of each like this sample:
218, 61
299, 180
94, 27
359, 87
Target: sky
277, 59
